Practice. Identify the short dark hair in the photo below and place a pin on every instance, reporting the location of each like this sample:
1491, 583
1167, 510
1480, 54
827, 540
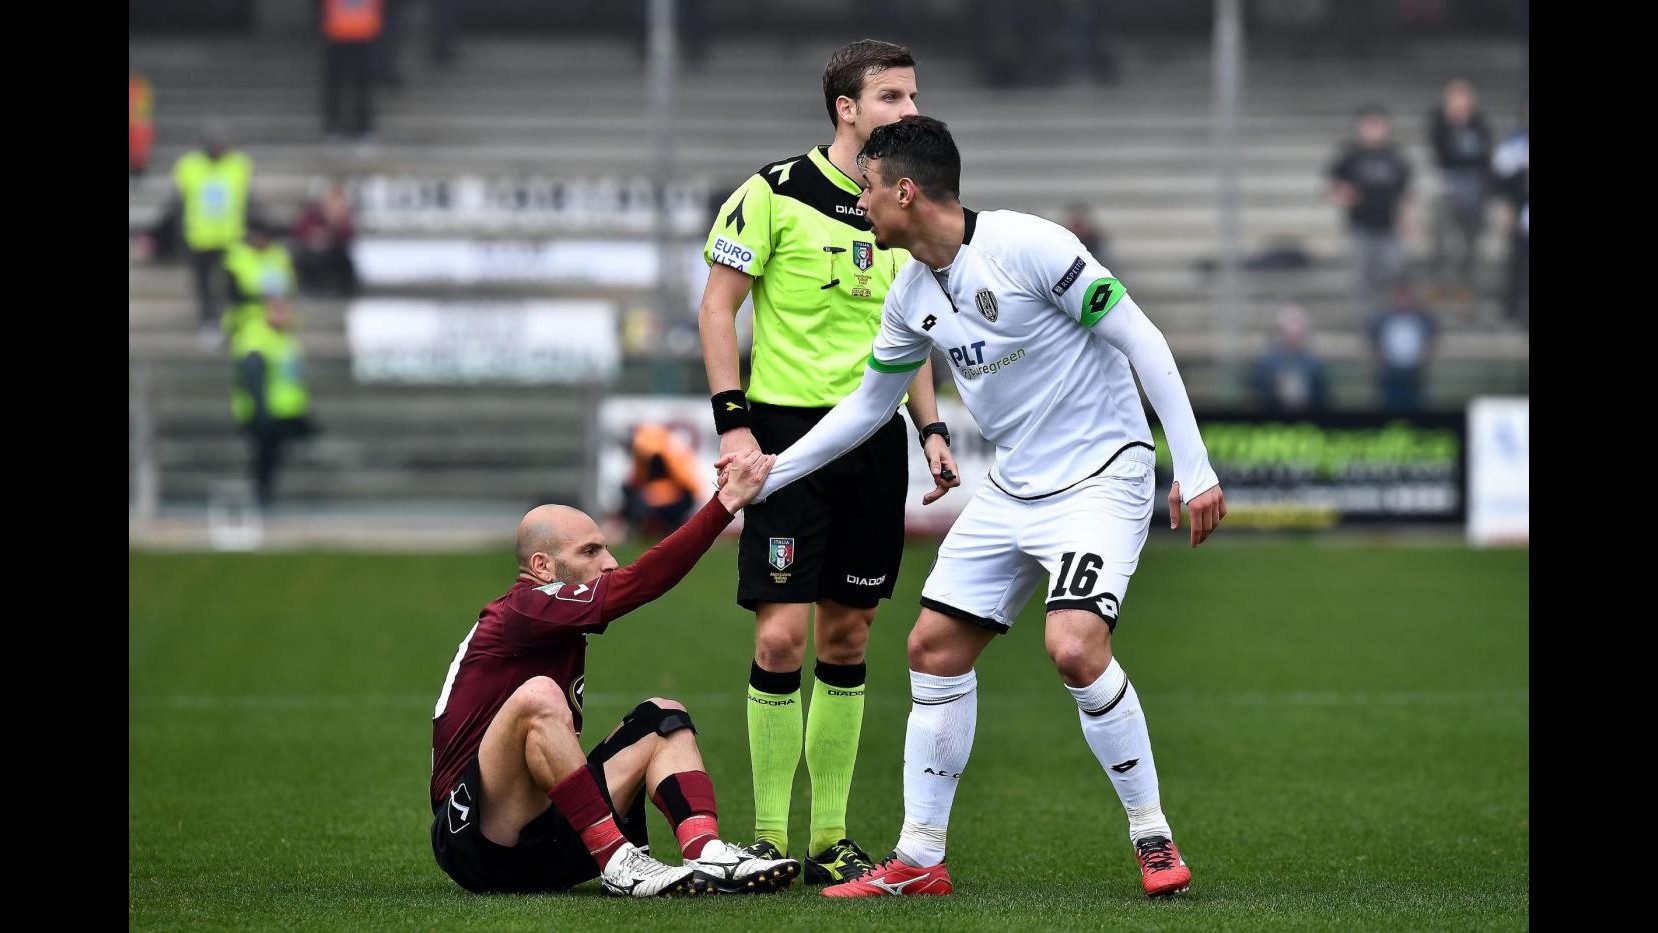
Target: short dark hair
918, 148
847, 69
1370, 110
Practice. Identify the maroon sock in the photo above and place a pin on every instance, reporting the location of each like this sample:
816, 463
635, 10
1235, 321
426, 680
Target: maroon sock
579, 799
687, 799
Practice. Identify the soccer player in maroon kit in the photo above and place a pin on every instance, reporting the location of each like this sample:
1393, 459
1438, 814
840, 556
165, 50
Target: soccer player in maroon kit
516, 805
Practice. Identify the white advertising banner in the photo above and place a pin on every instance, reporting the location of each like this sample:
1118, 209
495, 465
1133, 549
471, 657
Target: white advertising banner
458, 343
533, 204
1499, 471
574, 263
390, 261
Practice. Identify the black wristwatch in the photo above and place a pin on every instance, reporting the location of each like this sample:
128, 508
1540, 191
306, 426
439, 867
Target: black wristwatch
937, 427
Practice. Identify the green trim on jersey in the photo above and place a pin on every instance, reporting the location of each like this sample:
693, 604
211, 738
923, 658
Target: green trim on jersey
1097, 303
881, 367
819, 279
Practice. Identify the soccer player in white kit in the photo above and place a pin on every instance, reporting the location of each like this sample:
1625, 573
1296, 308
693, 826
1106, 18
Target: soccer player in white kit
1041, 338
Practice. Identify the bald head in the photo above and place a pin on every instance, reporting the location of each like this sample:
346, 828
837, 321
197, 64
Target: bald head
559, 542
545, 527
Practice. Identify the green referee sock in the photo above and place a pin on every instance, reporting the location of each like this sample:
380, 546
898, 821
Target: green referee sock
774, 734
833, 724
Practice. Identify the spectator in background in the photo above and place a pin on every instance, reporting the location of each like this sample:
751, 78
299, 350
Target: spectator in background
696, 33
1461, 141
1511, 164
1041, 42
663, 486
322, 244
1005, 39
1087, 41
444, 18
388, 64
1079, 219
1289, 378
1370, 178
140, 125
1402, 344
268, 396
259, 277
1362, 30
349, 28
211, 190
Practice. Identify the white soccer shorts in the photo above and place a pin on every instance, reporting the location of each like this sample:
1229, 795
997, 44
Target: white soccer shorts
1085, 541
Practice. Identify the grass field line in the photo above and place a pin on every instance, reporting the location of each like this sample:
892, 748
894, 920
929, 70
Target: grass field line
1289, 698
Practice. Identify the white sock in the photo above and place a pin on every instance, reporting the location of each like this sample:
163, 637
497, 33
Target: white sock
926, 838
943, 714
1148, 821
1115, 728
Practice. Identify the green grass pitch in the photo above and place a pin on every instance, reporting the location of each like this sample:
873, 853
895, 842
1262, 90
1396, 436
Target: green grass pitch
1341, 733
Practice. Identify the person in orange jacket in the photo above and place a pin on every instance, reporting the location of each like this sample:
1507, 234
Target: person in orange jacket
349, 28
663, 486
140, 125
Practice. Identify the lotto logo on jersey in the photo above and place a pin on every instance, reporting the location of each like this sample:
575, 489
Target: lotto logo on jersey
732, 253
1099, 299
863, 255
781, 554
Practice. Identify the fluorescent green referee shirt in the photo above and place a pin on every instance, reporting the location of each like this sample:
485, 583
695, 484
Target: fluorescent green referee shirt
819, 281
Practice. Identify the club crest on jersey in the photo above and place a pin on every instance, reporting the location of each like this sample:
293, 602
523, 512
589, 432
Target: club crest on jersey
986, 300
863, 255
781, 554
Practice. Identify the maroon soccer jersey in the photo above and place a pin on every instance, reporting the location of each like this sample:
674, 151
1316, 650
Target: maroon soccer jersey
537, 630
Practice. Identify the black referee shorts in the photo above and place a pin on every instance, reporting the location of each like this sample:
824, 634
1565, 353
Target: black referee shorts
837, 534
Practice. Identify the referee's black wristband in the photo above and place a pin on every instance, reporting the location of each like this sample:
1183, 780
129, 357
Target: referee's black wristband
937, 427
730, 410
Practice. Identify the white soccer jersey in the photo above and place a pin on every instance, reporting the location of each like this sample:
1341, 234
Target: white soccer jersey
1040, 338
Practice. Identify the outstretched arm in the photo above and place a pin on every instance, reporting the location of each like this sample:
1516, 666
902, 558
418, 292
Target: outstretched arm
848, 424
